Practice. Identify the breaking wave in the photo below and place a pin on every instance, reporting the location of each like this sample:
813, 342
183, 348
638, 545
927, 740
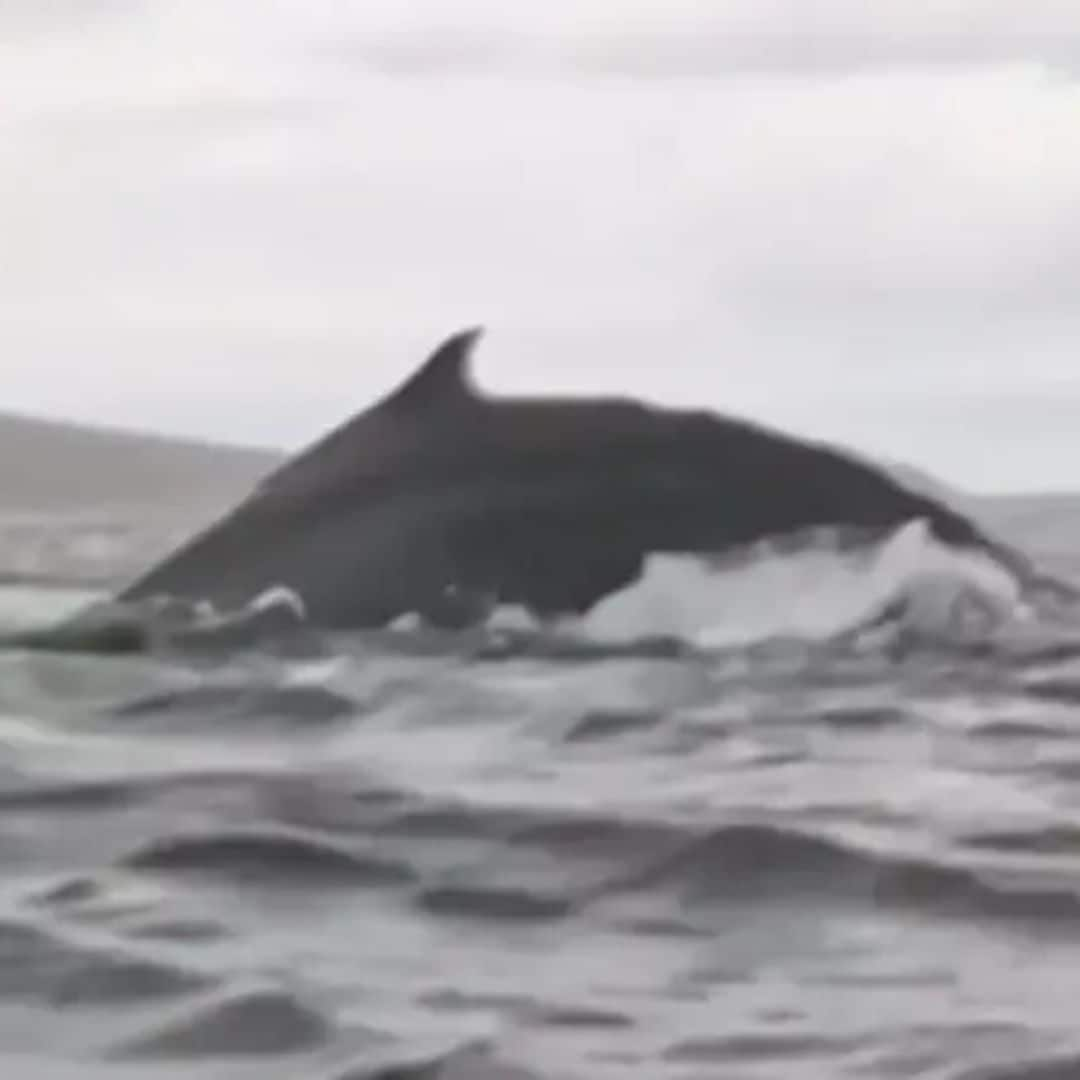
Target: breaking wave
817, 593
906, 586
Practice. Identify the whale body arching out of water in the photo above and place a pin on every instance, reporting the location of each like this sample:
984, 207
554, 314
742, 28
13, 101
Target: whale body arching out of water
444, 502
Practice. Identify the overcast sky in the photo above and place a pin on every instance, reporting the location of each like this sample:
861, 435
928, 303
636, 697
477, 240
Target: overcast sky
244, 219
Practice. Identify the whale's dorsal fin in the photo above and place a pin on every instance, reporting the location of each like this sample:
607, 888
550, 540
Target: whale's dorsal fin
445, 377
442, 381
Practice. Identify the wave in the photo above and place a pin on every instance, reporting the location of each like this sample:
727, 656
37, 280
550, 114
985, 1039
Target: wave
905, 591
289, 857
1051, 1067
41, 966
506, 862
473, 1060
740, 863
748, 1049
212, 704
263, 1022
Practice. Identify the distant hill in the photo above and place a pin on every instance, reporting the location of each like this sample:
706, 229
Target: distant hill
48, 465
90, 504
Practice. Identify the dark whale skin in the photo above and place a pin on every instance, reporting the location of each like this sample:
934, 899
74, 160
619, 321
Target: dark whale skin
442, 501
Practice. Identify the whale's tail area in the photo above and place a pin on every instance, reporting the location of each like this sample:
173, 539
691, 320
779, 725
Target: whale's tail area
1035, 584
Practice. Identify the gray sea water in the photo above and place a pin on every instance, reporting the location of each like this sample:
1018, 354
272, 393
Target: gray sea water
708, 835
774, 854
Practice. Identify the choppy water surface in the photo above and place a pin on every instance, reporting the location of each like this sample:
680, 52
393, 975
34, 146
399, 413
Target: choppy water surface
418, 859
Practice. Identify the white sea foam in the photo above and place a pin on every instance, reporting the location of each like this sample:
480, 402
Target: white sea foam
817, 592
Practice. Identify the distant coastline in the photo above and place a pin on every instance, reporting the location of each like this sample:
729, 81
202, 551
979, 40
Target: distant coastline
57, 466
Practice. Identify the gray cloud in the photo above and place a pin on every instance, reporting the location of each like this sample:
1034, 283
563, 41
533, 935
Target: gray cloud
23, 19
702, 38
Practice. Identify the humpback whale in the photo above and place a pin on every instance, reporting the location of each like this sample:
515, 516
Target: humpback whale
443, 501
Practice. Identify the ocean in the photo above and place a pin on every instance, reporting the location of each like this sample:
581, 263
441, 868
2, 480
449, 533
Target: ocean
727, 829
707, 835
